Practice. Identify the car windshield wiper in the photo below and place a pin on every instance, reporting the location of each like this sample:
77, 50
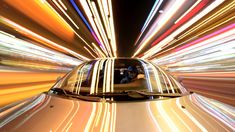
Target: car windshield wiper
60, 91
134, 94
145, 93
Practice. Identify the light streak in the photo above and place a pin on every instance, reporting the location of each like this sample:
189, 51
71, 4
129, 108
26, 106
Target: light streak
190, 116
87, 24
88, 51
92, 116
158, 47
207, 105
29, 50
152, 13
99, 51
89, 15
113, 38
10, 35
61, 9
67, 23
181, 21
25, 30
158, 24
195, 4
149, 18
221, 11
100, 27
21, 111
62, 4
166, 117
95, 76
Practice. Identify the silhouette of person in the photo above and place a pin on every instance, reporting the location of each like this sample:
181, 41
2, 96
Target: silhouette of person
130, 75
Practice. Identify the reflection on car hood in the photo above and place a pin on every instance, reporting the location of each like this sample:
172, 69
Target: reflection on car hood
52, 113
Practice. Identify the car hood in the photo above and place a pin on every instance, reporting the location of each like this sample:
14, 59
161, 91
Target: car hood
51, 113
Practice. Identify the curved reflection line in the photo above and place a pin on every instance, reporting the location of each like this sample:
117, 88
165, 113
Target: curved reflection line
204, 106
94, 77
67, 129
100, 107
112, 75
166, 117
148, 105
36, 111
98, 79
60, 124
91, 119
168, 79
195, 106
147, 76
190, 116
114, 108
202, 118
23, 110
104, 116
105, 75
80, 79
185, 124
70, 119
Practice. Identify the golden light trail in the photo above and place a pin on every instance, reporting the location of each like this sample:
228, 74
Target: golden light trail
91, 118
209, 19
152, 116
106, 32
112, 75
89, 51
62, 4
113, 38
160, 23
67, 23
11, 95
80, 79
165, 41
99, 51
50, 19
61, 9
99, 25
104, 12
52, 44
89, 15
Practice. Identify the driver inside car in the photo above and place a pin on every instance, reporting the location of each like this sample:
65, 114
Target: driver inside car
131, 75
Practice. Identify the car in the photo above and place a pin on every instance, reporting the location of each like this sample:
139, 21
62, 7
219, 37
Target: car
117, 94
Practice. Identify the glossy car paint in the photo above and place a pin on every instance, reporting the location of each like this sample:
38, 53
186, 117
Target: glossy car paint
53, 113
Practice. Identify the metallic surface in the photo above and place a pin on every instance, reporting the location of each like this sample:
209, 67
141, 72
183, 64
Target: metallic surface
51, 113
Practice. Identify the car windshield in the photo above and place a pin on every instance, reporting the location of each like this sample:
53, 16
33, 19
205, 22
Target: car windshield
119, 75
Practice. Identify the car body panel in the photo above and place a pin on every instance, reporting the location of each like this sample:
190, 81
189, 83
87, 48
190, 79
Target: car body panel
53, 113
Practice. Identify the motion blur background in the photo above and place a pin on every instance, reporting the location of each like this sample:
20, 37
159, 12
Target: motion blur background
41, 40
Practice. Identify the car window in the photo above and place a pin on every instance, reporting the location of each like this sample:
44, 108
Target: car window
112, 75
80, 79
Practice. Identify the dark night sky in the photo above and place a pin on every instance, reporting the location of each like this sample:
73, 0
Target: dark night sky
129, 17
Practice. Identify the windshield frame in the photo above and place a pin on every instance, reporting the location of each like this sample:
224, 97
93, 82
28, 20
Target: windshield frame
60, 83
